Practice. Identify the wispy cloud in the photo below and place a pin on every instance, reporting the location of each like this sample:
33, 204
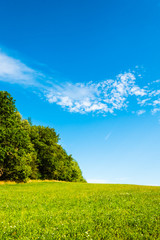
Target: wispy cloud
107, 136
105, 96
140, 112
14, 71
155, 110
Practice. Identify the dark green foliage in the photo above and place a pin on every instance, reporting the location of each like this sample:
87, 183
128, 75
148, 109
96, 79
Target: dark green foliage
16, 150
28, 151
54, 163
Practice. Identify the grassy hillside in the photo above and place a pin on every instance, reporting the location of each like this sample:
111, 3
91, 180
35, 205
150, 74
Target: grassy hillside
48, 210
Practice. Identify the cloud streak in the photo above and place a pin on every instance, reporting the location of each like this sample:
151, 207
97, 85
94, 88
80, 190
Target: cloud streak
140, 112
104, 97
107, 136
14, 71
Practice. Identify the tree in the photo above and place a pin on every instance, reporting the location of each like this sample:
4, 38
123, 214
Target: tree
44, 140
28, 151
54, 163
16, 149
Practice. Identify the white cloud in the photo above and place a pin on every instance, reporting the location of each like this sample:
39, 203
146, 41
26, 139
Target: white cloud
140, 112
106, 96
14, 71
154, 93
156, 102
155, 110
135, 90
143, 102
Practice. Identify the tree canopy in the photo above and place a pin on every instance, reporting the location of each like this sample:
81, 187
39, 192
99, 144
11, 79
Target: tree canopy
31, 152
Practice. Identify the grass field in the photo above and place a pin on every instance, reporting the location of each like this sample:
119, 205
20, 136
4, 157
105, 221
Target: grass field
48, 210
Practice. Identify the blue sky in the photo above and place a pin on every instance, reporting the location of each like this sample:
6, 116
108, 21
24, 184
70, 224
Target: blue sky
90, 69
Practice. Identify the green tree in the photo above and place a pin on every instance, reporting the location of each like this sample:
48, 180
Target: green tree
16, 150
54, 163
28, 151
44, 140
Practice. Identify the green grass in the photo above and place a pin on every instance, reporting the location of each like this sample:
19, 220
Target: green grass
48, 210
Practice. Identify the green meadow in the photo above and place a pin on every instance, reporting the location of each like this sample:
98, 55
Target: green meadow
58, 210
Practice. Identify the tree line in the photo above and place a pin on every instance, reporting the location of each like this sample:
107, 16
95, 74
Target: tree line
31, 152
